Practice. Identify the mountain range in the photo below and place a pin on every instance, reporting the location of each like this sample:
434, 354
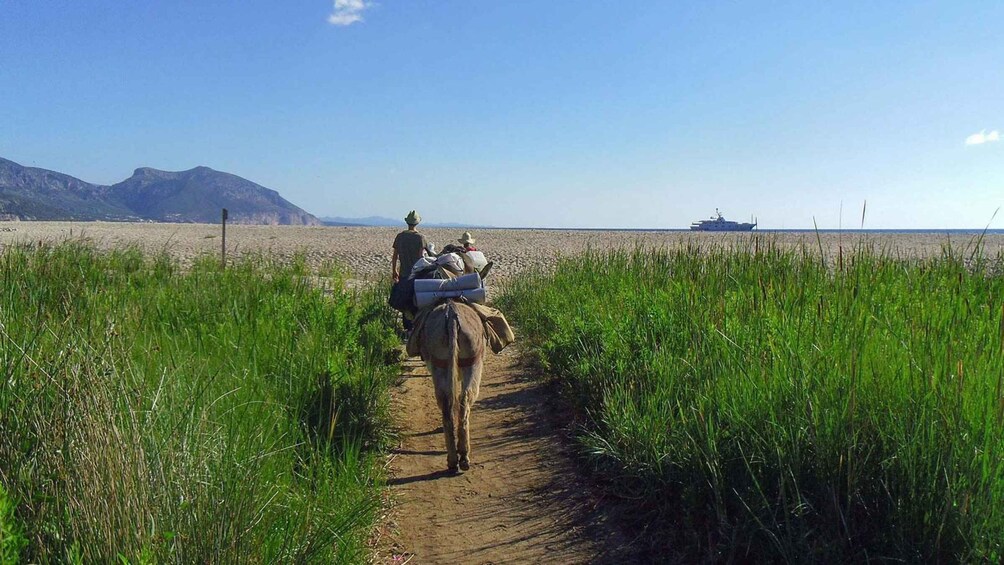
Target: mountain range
196, 195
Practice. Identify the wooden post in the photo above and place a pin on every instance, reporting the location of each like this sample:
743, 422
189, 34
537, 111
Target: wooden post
223, 253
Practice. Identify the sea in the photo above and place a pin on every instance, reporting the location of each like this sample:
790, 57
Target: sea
942, 231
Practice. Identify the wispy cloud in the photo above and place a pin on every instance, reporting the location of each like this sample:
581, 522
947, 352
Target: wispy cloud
983, 137
348, 12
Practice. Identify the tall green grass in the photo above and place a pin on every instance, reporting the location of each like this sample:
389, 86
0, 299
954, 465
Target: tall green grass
154, 414
760, 404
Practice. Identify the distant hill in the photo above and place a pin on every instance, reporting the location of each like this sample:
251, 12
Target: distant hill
381, 221
28, 193
197, 195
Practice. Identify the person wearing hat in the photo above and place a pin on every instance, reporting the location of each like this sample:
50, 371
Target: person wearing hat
474, 260
409, 246
467, 241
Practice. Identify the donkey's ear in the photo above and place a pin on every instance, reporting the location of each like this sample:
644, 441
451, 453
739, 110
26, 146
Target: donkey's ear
488, 268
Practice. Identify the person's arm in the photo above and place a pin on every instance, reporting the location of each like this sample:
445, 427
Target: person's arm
393, 267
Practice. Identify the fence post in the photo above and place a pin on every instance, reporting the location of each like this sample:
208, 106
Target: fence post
223, 251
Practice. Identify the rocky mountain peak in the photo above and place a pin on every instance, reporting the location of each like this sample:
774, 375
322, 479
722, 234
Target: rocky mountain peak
195, 195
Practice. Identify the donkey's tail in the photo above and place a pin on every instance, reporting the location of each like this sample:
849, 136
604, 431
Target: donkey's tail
452, 365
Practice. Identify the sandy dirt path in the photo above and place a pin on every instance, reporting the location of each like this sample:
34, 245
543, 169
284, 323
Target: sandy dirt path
521, 501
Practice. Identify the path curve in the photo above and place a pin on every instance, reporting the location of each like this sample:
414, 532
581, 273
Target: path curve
521, 502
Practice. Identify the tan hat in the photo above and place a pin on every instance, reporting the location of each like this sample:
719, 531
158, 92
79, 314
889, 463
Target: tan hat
466, 239
412, 219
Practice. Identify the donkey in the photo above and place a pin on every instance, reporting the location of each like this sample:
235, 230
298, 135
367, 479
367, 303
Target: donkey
453, 348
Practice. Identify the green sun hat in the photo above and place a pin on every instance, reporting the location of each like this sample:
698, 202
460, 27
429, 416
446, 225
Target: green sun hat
412, 219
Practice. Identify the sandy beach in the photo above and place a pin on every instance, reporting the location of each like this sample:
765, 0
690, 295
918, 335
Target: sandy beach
367, 250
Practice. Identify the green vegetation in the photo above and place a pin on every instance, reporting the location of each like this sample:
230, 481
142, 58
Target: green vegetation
757, 404
154, 414
11, 537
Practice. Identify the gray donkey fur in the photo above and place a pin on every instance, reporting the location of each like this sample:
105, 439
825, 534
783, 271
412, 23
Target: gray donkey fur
453, 348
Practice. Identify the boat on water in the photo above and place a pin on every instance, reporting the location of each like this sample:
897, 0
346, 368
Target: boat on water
718, 223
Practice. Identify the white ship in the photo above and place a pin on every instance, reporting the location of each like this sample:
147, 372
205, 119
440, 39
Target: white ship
718, 223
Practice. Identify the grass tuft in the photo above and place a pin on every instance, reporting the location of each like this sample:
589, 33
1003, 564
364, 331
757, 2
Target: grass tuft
154, 414
760, 404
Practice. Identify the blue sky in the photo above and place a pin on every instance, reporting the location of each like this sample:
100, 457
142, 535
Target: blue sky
564, 113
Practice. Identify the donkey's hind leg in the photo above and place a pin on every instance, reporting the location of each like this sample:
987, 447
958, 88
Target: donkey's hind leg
445, 402
464, 441
472, 382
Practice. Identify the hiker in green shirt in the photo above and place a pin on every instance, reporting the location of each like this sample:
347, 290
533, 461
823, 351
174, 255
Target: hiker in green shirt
409, 247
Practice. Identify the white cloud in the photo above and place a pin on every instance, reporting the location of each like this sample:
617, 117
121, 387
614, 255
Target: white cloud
983, 137
348, 12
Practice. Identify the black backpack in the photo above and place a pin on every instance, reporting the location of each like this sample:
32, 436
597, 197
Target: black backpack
402, 296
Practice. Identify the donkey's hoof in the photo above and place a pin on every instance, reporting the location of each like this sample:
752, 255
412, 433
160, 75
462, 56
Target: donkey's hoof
465, 464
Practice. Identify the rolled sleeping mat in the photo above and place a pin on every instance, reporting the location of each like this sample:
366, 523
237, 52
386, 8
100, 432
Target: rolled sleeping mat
465, 282
423, 299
